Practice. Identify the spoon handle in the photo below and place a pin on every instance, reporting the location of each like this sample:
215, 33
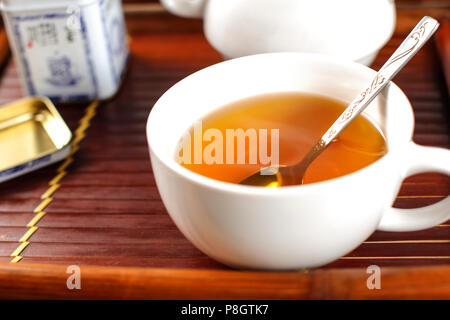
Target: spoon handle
409, 47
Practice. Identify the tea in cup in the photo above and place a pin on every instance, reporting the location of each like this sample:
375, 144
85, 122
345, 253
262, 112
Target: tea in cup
272, 130
290, 227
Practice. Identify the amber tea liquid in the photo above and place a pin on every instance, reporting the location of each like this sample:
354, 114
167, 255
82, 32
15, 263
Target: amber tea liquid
301, 120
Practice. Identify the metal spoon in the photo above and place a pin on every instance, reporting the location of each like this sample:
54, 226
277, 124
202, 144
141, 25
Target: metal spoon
280, 175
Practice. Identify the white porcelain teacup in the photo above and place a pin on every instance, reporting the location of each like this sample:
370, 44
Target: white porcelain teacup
353, 29
298, 226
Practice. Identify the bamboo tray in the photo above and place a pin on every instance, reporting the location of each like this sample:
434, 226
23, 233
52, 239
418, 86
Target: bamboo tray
100, 209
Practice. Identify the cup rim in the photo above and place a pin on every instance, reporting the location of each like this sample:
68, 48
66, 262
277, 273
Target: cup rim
204, 181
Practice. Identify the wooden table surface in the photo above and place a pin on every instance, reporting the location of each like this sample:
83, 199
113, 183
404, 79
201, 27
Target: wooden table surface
100, 209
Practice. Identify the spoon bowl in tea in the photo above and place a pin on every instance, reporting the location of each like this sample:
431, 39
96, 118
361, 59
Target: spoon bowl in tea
282, 175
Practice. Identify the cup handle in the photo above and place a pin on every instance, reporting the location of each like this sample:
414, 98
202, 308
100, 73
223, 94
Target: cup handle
419, 159
185, 8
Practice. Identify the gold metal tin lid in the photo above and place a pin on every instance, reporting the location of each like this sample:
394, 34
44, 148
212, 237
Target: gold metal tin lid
30, 129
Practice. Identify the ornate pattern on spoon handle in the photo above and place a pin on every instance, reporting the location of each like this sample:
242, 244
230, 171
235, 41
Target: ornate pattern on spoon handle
415, 40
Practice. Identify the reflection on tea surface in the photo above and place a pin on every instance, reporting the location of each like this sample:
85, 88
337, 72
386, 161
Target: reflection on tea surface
237, 140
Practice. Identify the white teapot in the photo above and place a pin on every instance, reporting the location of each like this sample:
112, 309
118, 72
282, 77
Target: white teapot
355, 29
